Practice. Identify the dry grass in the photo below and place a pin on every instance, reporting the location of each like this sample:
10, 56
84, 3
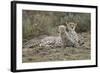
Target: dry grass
40, 54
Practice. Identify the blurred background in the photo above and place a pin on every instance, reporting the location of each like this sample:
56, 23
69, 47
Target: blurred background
36, 23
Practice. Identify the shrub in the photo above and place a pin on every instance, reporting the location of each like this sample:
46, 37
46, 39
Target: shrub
36, 23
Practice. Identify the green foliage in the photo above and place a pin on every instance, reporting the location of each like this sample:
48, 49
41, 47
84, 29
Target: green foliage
36, 23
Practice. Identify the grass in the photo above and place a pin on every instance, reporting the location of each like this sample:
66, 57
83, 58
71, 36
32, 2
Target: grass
40, 54
57, 54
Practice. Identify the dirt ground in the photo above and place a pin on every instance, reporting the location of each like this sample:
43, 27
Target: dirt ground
40, 54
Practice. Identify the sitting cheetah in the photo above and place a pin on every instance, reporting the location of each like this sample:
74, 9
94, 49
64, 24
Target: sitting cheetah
75, 38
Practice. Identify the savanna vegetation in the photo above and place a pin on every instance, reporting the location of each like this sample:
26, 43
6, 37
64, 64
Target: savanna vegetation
37, 23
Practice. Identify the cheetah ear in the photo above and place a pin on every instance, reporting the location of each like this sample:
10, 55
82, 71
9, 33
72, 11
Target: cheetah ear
75, 25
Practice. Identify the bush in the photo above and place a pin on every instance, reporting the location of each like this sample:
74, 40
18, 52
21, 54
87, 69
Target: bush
36, 23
